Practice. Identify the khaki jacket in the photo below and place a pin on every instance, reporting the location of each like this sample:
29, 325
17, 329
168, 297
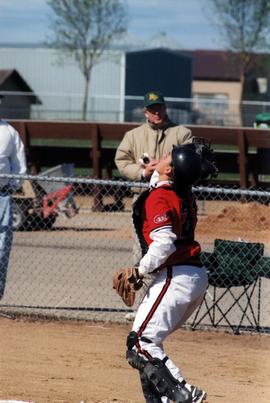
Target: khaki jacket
145, 139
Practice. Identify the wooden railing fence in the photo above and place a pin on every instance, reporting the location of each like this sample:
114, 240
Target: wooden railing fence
249, 157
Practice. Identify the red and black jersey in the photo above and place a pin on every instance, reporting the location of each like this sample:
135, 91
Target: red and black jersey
162, 208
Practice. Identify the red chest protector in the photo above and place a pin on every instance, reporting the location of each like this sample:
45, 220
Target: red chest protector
163, 207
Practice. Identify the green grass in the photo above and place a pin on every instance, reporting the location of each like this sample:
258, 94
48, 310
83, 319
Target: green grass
231, 149
72, 143
61, 143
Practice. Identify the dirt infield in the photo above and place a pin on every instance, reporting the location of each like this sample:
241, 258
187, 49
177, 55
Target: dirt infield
74, 362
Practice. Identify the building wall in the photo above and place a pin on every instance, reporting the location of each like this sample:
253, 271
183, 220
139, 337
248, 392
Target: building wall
161, 70
230, 90
60, 84
158, 69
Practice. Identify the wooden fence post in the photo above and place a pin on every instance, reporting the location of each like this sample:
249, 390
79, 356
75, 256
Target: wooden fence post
96, 163
95, 152
243, 157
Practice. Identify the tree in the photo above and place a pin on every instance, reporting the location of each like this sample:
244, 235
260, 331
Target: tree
85, 28
245, 25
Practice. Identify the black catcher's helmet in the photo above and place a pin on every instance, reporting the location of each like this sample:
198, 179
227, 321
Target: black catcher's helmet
187, 165
193, 163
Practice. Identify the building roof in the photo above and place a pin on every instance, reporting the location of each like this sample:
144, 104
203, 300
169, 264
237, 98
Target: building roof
215, 65
212, 65
173, 52
6, 74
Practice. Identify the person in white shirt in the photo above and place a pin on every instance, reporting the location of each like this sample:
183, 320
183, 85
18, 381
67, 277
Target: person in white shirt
12, 161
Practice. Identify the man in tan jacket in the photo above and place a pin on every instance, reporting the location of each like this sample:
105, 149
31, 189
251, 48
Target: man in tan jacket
153, 139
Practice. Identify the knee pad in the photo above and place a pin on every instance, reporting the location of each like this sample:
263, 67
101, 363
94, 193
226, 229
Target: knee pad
135, 360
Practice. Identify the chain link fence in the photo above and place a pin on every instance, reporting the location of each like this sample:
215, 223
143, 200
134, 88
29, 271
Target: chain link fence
71, 234
201, 109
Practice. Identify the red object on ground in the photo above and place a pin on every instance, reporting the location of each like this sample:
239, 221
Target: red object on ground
51, 200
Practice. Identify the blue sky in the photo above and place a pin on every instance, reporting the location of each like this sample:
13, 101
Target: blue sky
188, 22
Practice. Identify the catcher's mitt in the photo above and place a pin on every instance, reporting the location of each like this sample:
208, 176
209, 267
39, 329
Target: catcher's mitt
126, 282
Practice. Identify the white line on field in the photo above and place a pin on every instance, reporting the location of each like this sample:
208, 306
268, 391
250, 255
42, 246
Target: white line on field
16, 401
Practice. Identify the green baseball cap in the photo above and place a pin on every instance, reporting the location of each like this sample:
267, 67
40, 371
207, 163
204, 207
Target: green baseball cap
152, 98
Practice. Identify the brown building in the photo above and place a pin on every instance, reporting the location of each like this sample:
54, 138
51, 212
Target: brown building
222, 92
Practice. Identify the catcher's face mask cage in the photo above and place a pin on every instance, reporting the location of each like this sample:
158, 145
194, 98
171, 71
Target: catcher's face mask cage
209, 169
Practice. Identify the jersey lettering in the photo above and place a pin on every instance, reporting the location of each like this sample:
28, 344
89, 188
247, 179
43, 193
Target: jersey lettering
158, 219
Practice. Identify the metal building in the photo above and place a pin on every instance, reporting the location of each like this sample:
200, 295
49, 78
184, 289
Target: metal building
59, 83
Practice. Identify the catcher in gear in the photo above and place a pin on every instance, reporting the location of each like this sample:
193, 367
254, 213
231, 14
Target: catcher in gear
165, 218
